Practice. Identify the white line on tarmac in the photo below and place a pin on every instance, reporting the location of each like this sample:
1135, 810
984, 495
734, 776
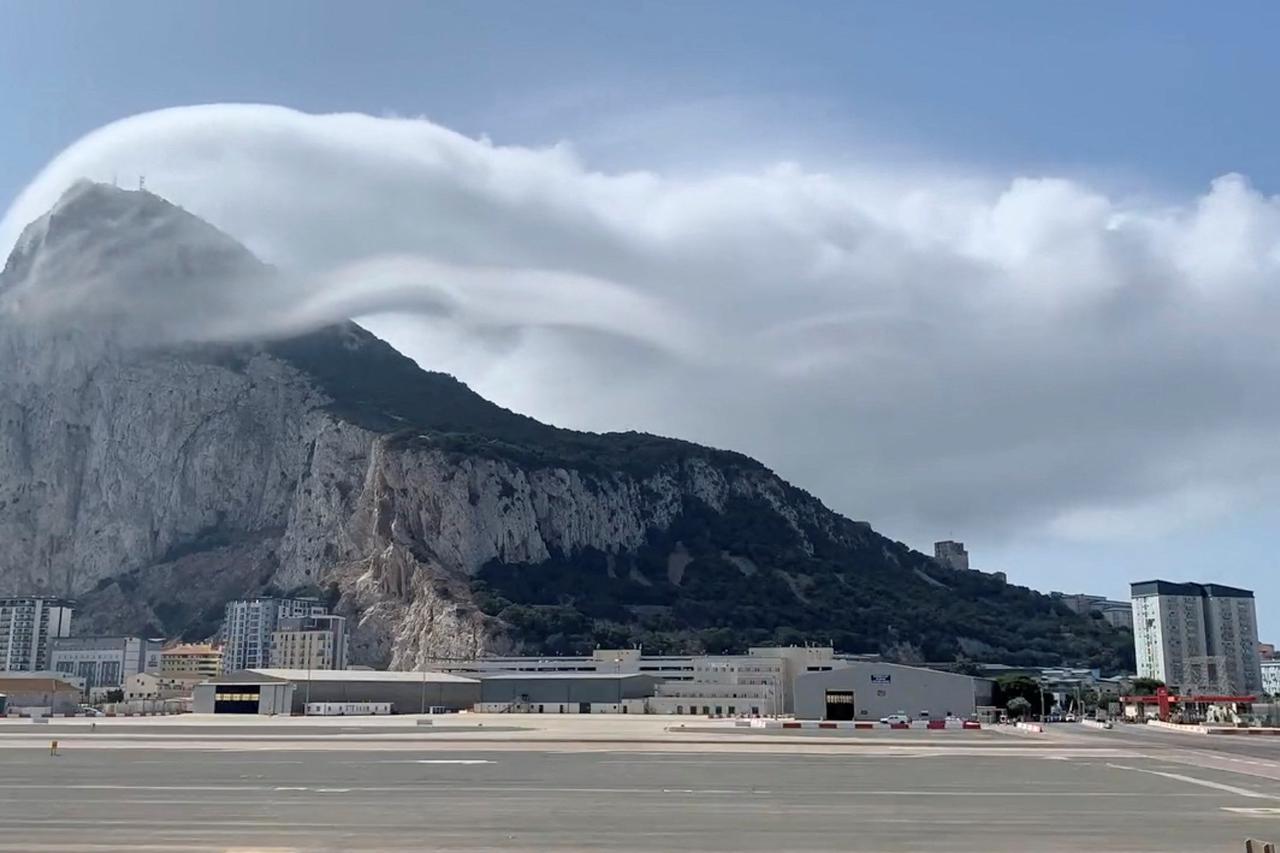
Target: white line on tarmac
1204, 783
450, 787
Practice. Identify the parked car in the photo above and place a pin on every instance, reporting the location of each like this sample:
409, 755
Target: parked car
896, 719
90, 711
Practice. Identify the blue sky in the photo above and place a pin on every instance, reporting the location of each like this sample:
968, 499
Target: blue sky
1145, 100
1175, 93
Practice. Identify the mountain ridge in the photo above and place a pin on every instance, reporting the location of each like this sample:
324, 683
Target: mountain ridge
439, 522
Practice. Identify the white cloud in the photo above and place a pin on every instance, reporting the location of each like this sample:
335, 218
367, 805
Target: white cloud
949, 354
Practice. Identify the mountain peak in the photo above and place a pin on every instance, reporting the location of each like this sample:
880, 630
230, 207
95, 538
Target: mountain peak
106, 253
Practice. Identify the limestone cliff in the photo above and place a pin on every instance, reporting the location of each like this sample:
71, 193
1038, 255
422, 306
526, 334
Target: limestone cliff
154, 477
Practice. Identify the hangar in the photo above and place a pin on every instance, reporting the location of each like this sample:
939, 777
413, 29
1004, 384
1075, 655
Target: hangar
870, 691
286, 691
565, 692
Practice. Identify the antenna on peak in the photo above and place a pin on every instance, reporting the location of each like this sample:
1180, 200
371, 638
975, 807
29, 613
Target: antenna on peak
115, 179
142, 182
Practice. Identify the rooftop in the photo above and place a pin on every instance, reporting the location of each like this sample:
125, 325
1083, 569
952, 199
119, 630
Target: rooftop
560, 676
1140, 589
354, 675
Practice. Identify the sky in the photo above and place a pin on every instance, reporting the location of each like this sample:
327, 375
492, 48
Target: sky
994, 272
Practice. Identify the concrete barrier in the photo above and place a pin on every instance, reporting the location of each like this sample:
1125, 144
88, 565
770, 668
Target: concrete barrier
1031, 727
845, 725
1095, 724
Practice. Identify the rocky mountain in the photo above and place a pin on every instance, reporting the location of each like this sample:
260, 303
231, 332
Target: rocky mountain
154, 472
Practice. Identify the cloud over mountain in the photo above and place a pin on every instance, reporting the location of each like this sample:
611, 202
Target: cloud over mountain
931, 352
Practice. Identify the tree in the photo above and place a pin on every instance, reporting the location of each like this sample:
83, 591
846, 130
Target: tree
114, 695
1018, 706
1146, 686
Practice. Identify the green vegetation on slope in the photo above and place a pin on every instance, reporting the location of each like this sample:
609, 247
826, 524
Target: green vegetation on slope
749, 582
381, 390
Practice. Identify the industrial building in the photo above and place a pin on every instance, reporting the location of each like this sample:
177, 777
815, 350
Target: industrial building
869, 691
27, 624
1197, 638
1117, 614
28, 692
104, 663
565, 693
285, 691
758, 683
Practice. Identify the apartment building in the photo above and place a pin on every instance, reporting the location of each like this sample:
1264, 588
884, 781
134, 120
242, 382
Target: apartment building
248, 626
27, 624
194, 658
1197, 638
310, 642
104, 662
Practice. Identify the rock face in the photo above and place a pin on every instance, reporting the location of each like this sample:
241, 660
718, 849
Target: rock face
154, 481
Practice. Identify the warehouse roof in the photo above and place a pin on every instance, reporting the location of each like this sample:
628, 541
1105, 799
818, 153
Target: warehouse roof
560, 676
362, 675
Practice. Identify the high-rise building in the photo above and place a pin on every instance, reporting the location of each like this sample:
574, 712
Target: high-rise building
951, 554
1197, 638
1267, 651
192, 658
104, 662
27, 624
248, 626
310, 642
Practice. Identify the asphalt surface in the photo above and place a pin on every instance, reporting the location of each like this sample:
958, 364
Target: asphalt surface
1072, 790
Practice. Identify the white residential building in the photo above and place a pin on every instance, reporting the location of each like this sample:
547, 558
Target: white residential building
198, 658
249, 624
1271, 677
1197, 638
27, 624
104, 662
310, 642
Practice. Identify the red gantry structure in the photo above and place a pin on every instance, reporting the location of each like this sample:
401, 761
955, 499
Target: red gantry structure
1166, 701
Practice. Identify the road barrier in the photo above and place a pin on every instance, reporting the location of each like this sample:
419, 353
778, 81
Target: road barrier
863, 724
1031, 727
1213, 730
1095, 724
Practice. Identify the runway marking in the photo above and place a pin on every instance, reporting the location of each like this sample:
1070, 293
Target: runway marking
449, 786
1204, 783
445, 761
1261, 812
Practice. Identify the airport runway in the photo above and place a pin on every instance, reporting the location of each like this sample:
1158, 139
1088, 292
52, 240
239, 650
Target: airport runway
1072, 791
